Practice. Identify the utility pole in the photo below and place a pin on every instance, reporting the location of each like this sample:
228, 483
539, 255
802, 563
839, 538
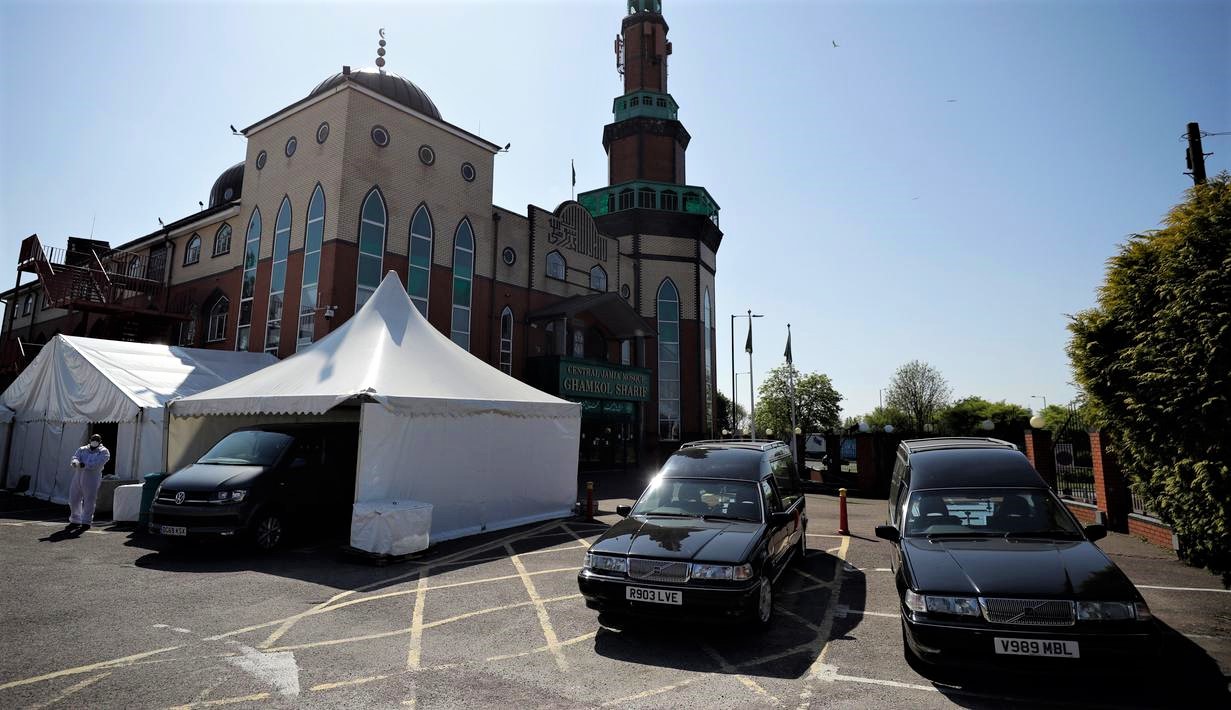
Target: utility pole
1194, 157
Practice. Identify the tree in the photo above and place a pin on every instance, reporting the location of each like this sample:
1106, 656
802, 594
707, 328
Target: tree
879, 417
1154, 359
920, 390
816, 402
962, 418
725, 418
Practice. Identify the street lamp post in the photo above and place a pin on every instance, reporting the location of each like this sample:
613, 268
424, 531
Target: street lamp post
751, 396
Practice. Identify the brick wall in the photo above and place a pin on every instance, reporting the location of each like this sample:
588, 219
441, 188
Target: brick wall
1150, 530
1085, 514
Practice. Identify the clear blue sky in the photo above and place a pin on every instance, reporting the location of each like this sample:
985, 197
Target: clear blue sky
884, 222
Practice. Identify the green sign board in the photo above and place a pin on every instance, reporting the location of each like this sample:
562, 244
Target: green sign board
601, 407
581, 378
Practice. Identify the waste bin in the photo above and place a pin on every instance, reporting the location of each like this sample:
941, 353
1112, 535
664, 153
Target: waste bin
152, 481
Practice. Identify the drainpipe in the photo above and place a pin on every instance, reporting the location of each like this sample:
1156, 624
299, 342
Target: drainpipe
493, 347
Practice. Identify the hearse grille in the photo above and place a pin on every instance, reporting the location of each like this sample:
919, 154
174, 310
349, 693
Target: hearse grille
1028, 612
658, 570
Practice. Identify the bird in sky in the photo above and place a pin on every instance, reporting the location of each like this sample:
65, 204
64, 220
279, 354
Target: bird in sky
950, 101
835, 43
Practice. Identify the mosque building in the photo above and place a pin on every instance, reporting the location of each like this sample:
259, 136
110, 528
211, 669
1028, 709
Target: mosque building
607, 300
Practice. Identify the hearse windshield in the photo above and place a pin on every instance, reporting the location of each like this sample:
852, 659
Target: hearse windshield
248, 448
700, 498
1004, 512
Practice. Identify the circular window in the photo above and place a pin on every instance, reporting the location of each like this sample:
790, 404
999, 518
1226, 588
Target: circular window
322, 132
260, 160
427, 156
380, 136
468, 172
228, 194
509, 256
291, 145
625, 292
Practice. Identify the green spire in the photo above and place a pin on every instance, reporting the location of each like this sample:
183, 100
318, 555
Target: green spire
635, 6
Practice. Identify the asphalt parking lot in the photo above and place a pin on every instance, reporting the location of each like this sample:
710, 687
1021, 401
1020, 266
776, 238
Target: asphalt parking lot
113, 619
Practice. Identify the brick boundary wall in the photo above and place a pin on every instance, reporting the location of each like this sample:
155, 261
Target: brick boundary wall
1151, 530
1085, 513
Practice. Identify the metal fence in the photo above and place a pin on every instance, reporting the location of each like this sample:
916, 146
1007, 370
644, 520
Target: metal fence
1140, 507
1076, 483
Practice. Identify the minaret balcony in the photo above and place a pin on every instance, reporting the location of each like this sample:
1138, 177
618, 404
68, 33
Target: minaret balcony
644, 194
650, 104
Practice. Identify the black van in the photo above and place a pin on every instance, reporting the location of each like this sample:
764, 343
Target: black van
261, 482
992, 570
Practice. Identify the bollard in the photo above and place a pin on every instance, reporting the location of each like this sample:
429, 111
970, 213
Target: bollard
590, 499
842, 527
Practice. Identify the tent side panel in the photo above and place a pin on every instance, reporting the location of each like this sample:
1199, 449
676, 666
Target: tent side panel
17, 454
49, 462
6, 428
480, 472
124, 448
190, 437
149, 458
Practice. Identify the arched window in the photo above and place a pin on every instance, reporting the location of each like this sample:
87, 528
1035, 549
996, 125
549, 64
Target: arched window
626, 198
707, 338
27, 303
134, 266
192, 252
670, 200
598, 278
420, 274
556, 267
646, 197
314, 236
252, 252
668, 362
277, 278
506, 341
463, 279
217, 326
372, 222
222, 240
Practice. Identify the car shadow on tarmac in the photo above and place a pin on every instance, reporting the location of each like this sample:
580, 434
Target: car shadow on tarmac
324, 559
806, 597
1183, 675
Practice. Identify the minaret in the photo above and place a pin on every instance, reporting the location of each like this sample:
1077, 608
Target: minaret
646, 141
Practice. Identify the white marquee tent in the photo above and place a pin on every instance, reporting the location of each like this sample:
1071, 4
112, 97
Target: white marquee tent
437, 425
74, 383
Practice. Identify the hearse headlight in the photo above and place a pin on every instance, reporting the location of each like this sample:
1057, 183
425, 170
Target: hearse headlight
1143, 611
713, 571
606, 563
957, 606
1106, 611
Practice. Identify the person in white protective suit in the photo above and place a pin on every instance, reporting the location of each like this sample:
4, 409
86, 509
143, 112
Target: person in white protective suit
82, 494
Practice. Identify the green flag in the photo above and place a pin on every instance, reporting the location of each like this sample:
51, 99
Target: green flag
748, 343
787, 354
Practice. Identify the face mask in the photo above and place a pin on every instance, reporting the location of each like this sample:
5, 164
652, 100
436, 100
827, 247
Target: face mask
93, 444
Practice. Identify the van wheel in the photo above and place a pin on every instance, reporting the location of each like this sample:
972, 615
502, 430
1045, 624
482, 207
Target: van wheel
268, 531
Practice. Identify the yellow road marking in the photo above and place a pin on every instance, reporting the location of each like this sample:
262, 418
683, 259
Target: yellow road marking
469, 614
114, 663
70, 690
286, 625
648, 693
541, 649
814, 578
748, 682
334, 642
831, 609
343, 683
572, 532
222, 701
415, 649
540, 609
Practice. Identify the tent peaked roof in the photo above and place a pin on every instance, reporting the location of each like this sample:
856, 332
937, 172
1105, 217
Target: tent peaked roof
93, 380
388, 352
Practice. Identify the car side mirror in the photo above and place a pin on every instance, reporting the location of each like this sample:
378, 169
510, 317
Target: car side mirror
781, 517
623, 510
888, 532
1096, 532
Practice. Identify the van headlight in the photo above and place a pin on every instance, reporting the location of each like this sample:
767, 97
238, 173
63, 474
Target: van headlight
1106, 611
606, 563
729, 572
933, 604
236, 496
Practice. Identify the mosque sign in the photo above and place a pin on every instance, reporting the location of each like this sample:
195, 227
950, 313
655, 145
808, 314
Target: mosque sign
580, 378
571, 227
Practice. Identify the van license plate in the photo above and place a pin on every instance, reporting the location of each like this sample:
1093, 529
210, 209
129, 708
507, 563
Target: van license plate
1037, 647
176, 530
658, 596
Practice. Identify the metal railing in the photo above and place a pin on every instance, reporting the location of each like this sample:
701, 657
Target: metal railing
1140, 507
1076, 483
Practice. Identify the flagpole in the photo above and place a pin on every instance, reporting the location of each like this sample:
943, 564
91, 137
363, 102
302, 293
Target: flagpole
752, 398
790, 362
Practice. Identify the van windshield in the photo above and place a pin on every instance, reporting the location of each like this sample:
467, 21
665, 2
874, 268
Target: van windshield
1004, 512
248, 448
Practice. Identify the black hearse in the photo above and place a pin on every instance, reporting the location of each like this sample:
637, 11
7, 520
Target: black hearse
992, 569
261, 482
708, 537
